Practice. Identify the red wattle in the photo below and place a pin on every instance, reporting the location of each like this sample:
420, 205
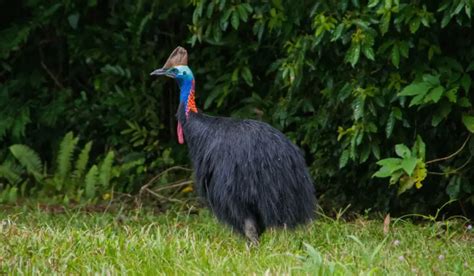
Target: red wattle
180, 133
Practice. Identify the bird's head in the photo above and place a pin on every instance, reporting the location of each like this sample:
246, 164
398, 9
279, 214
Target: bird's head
178, 72
176, 66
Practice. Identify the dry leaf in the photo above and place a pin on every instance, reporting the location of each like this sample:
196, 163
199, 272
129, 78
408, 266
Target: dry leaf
386, 224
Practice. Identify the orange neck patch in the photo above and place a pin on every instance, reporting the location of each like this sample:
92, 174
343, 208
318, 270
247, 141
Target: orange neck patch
191, 104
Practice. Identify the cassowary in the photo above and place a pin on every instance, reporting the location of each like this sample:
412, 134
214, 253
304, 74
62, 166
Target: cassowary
249, 173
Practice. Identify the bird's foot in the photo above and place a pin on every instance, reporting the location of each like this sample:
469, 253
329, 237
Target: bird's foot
250, 230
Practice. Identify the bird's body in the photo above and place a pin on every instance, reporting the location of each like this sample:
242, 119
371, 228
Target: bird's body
246, 169
249, 173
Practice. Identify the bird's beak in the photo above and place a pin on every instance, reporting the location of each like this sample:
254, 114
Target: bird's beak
159, 72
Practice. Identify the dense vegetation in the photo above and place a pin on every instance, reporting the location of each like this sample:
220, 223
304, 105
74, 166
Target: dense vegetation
377, 93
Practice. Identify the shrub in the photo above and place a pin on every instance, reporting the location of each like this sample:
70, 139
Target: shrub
352, 82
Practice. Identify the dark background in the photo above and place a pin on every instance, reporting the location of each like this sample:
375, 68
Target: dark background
327, 73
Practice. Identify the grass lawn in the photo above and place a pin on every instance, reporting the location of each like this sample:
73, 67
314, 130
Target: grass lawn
140, 242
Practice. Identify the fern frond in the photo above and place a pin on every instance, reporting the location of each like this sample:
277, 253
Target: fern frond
9, 174
90, 181
64, 158
9, 194
106, 169
82, 161
29, 159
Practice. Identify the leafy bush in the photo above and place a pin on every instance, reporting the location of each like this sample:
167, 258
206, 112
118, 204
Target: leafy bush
71, 179
349, 80
352, 82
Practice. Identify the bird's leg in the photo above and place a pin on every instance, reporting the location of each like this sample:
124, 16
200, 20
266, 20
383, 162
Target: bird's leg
250, 230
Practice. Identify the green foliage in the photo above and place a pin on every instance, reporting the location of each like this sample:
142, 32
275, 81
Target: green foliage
8, 173
106, 169
91, 181
348, 81
63, 182
409, 169
82, 161
29, 159
8, 194
65, 155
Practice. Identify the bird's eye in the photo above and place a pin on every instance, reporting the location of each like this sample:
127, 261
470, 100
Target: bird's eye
184, 72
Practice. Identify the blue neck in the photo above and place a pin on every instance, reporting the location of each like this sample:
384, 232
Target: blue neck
185, 87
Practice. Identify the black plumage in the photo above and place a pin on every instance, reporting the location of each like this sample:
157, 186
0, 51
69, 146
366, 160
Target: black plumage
249, 173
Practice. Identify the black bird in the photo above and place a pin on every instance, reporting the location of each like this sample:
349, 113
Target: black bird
250, 174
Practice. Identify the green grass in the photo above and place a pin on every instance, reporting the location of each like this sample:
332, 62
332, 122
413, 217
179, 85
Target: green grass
140, 242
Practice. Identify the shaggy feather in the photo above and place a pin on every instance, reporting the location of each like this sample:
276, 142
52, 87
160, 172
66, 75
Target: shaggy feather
250, 174
248, 170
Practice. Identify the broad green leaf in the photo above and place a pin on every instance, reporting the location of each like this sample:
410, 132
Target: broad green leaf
409, 164
405, 184
210, 9
402, 151
403, 47
451, 94
234, 20
468, 9
414, 25
356, 3
73, 19
419, 148
242, 12
385, 22
364, 154
390, 162
225, 17
352, 56
397, 113
466, 82
458, 7
433, 80
417, 100
441, 113
246, 6
358, 107
454, 187
373, 3
383, 172
415, 89
343, 159
395, 55
390, 124
435, 94
337, 33
468, 121
395, 177
376, 150
368, 52
247, 75
445, 20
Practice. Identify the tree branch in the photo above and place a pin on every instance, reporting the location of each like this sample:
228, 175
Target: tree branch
452, 155
159, 175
